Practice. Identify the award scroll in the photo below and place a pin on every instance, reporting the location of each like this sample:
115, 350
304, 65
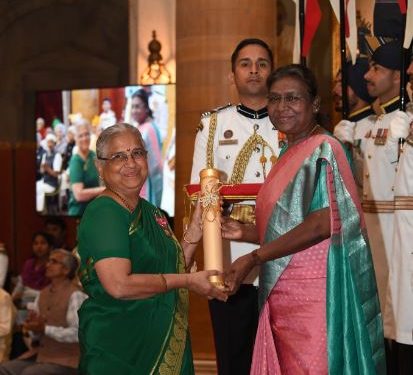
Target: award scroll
211, 223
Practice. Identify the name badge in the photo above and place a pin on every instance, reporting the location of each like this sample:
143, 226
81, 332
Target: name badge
226, 142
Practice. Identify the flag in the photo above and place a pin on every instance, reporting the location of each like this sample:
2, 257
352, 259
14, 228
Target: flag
408, 34
350, 24
351, 28
312, 20
297, 46
402, 6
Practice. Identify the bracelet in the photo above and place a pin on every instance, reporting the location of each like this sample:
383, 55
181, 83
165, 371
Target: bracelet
164, 283
256, 258
186, 239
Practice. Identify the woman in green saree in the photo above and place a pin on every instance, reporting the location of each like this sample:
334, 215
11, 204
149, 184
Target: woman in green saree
319, 307
134, 271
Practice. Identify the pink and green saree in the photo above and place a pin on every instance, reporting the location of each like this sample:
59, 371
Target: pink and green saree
320, 312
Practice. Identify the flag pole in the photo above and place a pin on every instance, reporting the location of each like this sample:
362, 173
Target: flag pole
301, 8
403, 76
344, 78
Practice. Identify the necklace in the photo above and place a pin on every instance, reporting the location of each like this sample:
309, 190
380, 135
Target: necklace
312, 131
123, 200
316, 126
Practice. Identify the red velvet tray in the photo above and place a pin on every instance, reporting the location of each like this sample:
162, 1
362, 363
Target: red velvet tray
236, 192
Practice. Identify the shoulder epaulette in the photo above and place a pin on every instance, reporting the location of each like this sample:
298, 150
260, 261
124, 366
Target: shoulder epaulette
218, 109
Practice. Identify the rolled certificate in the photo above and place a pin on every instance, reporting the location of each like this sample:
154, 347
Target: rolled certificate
211, 224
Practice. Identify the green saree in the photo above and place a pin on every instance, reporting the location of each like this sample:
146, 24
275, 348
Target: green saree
146, 336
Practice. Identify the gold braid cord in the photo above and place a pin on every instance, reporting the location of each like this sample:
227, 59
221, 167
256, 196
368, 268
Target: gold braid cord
210, 144
244, 157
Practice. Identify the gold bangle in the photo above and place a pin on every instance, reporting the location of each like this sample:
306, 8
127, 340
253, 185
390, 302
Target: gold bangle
164, 283
256, 258
187, 241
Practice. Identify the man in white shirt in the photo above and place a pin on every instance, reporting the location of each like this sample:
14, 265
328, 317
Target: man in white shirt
50, 167
399, 322
107, 117
239, 141
354, 130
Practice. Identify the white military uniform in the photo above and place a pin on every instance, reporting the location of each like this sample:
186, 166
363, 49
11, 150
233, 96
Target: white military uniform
399, 323
380, 162
363, 119
235, 136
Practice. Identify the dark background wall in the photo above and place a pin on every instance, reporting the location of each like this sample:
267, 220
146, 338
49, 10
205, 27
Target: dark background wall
46, 45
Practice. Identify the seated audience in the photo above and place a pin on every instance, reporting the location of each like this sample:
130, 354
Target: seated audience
7, 316
53, 323
70, 144
55, 226
41, 128
61, 141
50, 168
33, 276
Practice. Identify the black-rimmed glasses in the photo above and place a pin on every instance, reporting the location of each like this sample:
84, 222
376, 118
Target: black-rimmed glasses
289, 99
121, 158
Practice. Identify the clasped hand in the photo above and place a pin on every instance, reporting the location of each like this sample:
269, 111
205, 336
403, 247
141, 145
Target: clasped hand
234, 230
34, 322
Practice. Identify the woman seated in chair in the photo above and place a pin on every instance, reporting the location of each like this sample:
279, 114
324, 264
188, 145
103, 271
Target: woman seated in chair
33, 275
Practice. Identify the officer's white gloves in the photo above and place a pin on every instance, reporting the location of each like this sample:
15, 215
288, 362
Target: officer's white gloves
400, 125
344, 131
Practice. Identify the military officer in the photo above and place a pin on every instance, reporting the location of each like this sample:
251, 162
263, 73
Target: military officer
354, 130
399, 324
240, 141
380, 162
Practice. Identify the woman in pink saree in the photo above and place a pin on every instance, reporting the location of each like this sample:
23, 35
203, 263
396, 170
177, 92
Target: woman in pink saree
319, 310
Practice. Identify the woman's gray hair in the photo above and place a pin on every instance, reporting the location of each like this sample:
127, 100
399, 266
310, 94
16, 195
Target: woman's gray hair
111, 132
82, 123
69, 261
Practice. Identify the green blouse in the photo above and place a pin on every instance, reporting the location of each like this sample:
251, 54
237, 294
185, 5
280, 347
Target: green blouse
140, 336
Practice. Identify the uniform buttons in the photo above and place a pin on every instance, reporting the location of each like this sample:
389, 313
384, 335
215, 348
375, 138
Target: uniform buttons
227, 157
367, 175
256, 127
257, 174
396, 169
369, 156
392, 188
257, 149
364, 194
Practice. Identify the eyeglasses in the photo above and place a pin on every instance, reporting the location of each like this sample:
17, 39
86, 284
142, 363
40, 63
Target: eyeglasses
121, 158
289, 99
